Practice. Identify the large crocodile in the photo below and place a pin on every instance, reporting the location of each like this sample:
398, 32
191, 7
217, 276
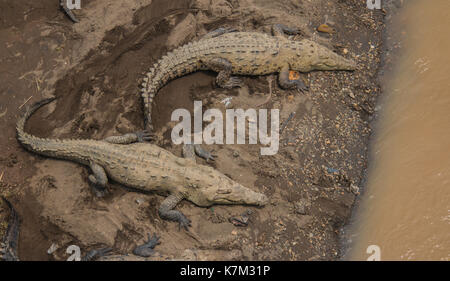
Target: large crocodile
143, 167
244, 53
8, 248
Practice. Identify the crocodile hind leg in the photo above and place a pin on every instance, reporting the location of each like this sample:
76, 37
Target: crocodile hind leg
130, 138
286, 83
146, 249
98, 179
166, 211
224, 68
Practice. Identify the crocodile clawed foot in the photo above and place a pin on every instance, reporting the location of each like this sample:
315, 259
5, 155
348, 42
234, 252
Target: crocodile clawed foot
184, 222
146, 249
96, 253
145, 136
233, 82
201, 152
99, 191
301, 86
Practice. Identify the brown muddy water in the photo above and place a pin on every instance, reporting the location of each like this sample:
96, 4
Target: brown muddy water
405, 210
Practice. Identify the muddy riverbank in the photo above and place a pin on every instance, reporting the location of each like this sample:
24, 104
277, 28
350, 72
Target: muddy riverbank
94, 68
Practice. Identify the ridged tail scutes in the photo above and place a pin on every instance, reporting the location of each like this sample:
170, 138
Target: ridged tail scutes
30, 142
20, 128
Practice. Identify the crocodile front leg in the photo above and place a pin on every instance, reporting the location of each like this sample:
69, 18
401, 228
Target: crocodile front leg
286, 83
203, 153
190, 150
224, 68
166, 211
98, 179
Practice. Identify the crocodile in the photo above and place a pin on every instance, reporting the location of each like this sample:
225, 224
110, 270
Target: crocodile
227, 52
141, 166
67, 11
8, 248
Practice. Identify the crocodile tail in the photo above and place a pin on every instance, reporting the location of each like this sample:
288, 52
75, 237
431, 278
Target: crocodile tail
29, 141
20, 127
174, 64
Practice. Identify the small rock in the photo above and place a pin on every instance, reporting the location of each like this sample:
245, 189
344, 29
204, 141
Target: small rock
354, 189
301, 207
348, 92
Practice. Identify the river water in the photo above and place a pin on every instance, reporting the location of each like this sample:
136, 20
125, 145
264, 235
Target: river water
404, 213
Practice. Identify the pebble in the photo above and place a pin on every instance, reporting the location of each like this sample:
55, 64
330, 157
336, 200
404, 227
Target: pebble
354, 189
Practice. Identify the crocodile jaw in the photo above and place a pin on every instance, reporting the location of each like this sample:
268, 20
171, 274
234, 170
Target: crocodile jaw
326, 59
239, 194
313, 56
